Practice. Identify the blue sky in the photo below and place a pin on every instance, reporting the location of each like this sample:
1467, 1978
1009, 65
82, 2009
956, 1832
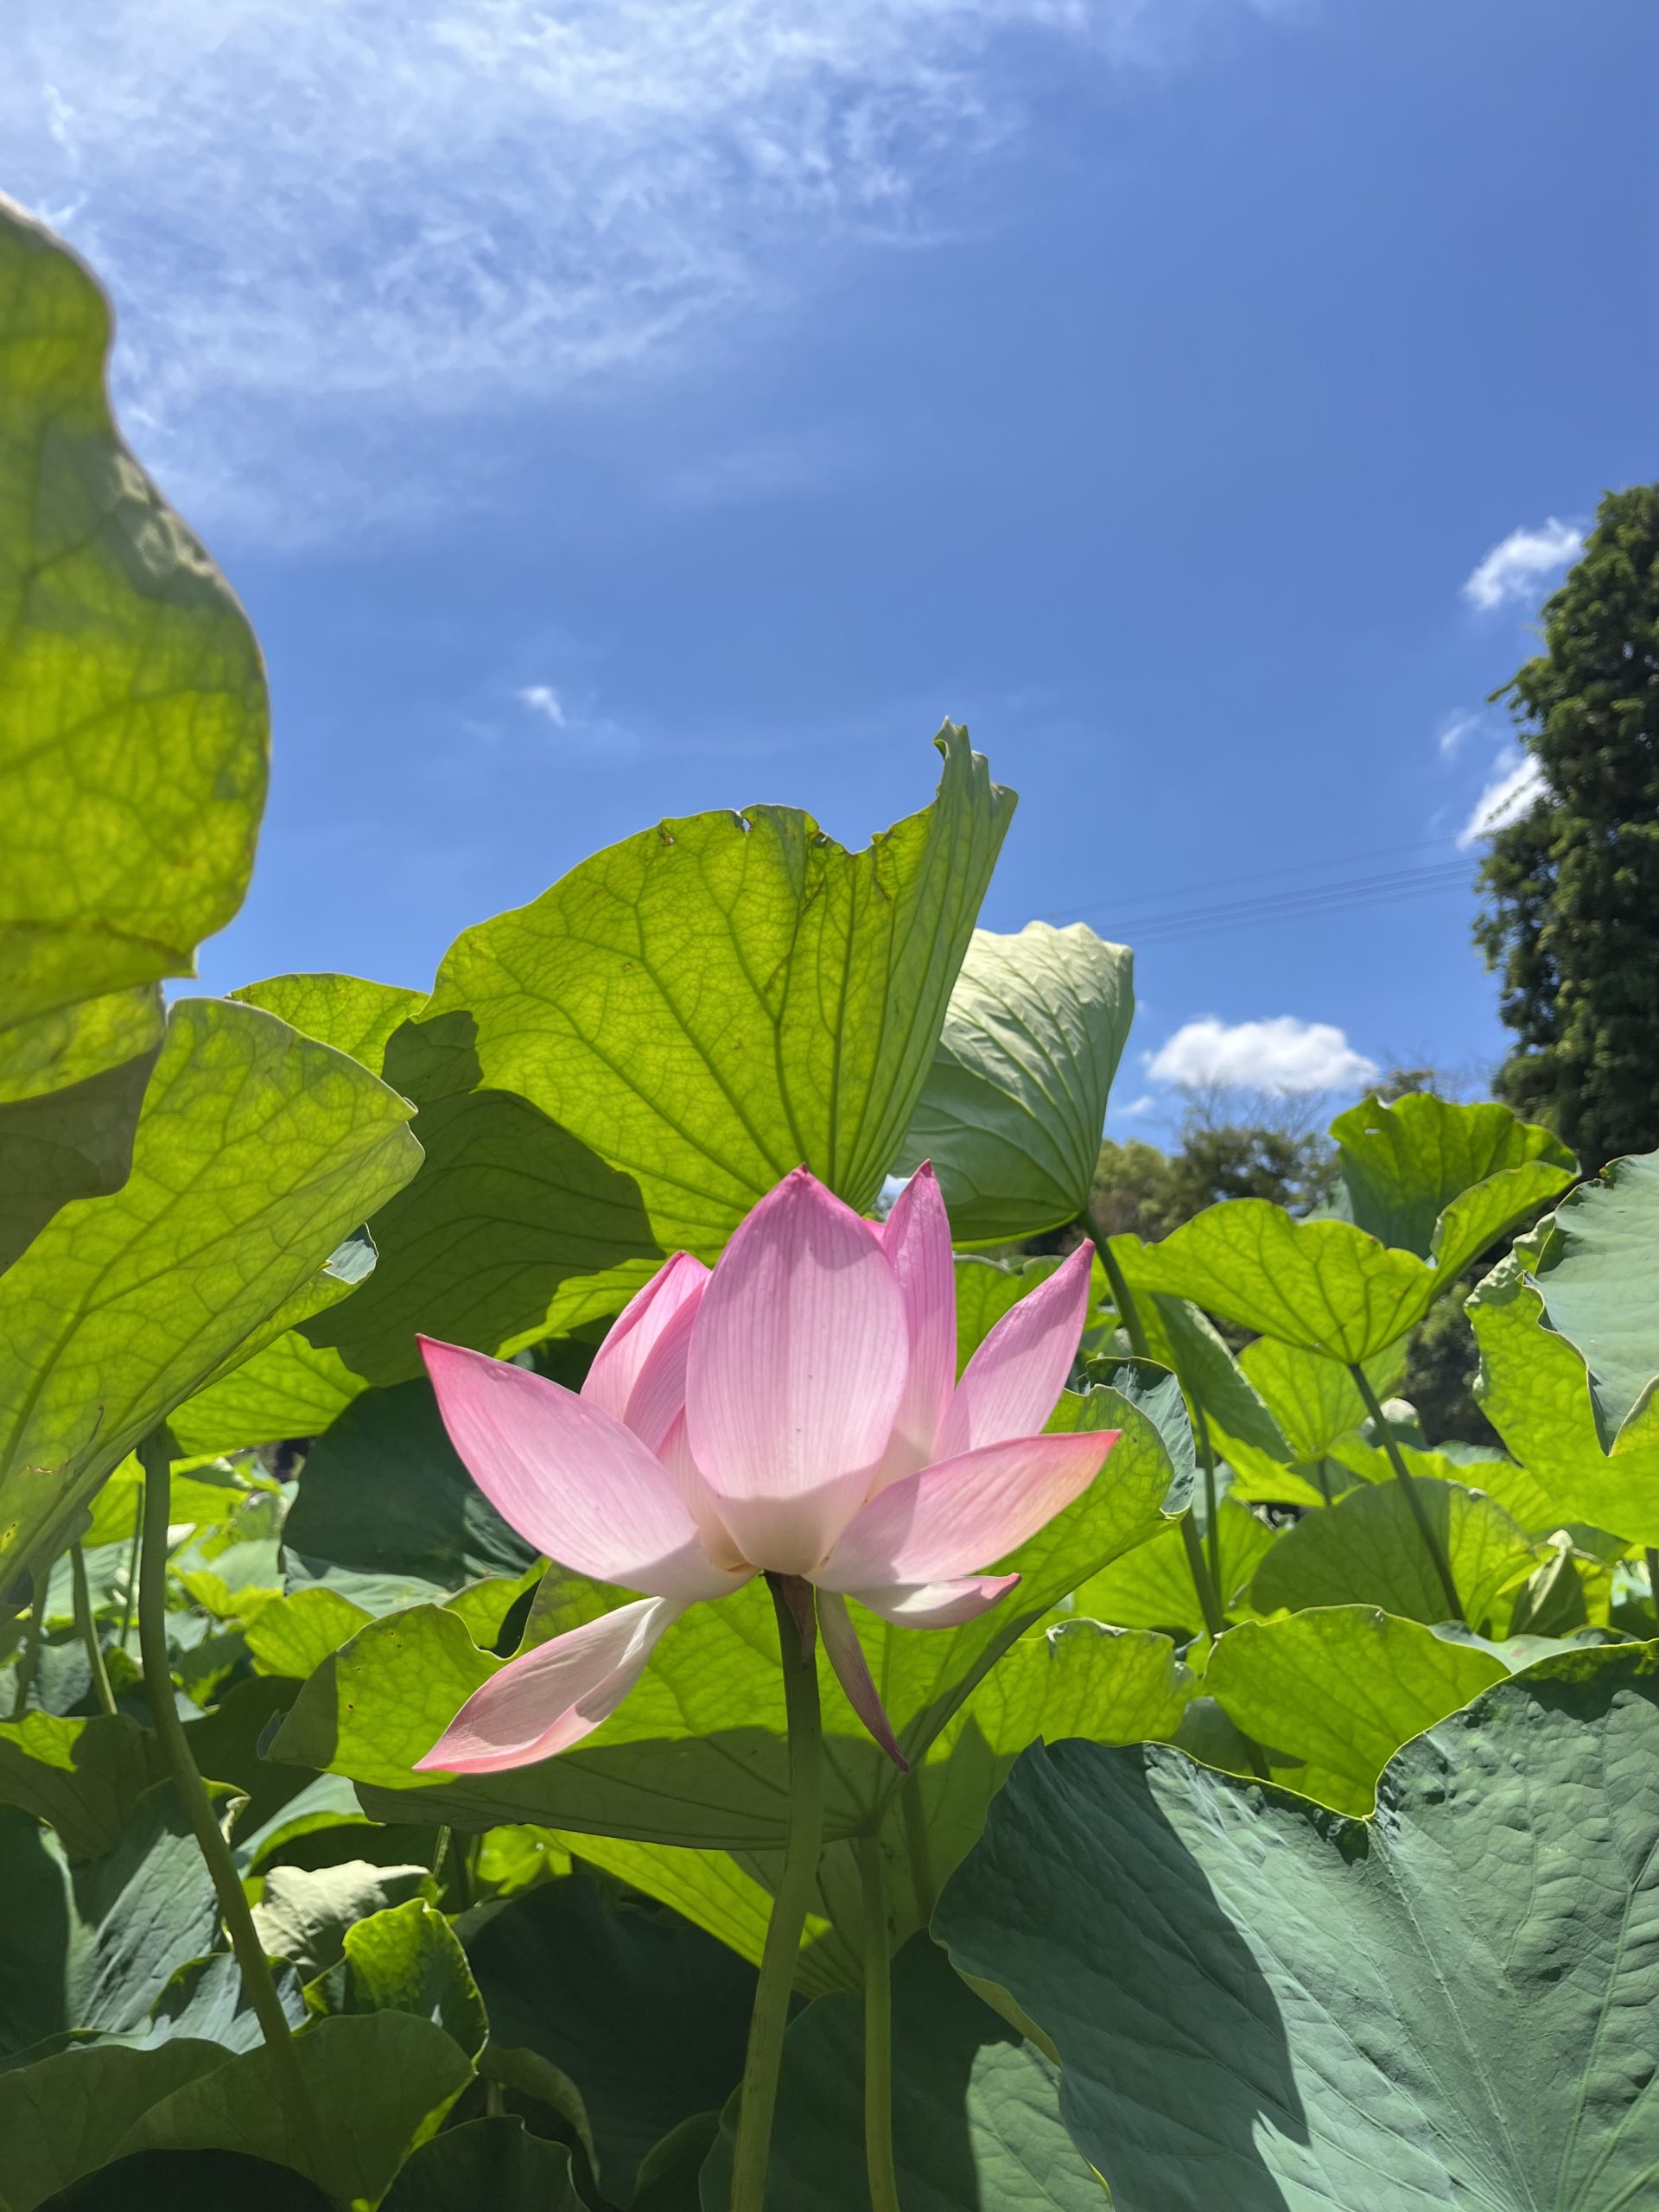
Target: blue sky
614, 407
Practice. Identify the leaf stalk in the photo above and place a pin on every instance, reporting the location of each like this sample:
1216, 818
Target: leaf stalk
1426, 1528
155, 1456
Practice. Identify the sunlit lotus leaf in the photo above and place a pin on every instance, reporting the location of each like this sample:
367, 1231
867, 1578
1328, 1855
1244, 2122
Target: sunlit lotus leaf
256, 1151
1016, 1101
1367, 1550
1332, 1694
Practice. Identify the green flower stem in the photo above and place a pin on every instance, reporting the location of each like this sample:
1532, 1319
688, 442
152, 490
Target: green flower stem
792, 1601
155, 1456
915, 1815
1123, 1298
1652, 1557
87, 1630
1209, 1602
131, 1593
31, 1651
1212, 1502
878, 2029
1426, 1528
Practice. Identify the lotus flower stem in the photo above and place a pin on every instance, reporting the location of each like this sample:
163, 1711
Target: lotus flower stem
792, 1601
915, 1815
31, 1653
86, 1629
1652, 1558
1432, 1543
1212, 1502
878, 2029
1122, 1297
155, 1456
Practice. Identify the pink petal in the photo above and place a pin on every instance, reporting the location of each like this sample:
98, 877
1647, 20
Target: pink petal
933, 1604
569, 1477
853, 1673
717, 1539
1013, 1382
639, 1372
553, 1697
916, 1238
798, 1357
964, 1513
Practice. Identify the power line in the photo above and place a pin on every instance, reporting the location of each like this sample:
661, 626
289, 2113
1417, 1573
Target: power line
1291, 906
1118, 905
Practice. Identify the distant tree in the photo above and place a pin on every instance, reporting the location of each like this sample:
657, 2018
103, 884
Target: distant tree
1141, 1191
1573, 882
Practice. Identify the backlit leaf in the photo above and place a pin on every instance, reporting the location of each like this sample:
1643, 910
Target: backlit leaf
257, 1151
1015, 1103
1366, 1550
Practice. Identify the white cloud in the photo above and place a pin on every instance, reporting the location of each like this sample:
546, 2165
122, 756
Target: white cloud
1135, 1107
1512, 570
1281, 1055
362, 213
1453, 730
1507, 795
543, 699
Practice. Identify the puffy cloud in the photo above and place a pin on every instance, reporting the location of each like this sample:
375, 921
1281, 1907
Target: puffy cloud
1281, 1055
1506, 797
1512, 570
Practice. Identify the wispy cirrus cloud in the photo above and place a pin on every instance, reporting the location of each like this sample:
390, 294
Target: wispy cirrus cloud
1514, 568
319, 210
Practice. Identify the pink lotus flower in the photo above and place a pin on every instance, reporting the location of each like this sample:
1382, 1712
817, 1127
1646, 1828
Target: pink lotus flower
792, 1412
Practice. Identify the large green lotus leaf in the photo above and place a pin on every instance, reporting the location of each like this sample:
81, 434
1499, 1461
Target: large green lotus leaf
133, 719
1367, 1550
695, 1753
1323, 1285
1515, 1489
408, 1958
1334, 1693
1015, 1103
496, 2164
93, 1944
390, 1445
1079, 1679
182, 2177
70, 2113
380, 2084
976, 2123
44, 1056
292, 1389
1153, 1586
294, 1635
306, 1913
1599, 1282
514, 1230
1314, 1399
73, 1143
1442, 1179
723, 997
1537, 1393
1180, 1337
353, 1016
645, 2014
205, 2001
82, 1775
1260, 2006
986, 1290
257, 1151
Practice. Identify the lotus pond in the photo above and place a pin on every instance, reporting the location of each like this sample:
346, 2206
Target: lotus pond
610, 1597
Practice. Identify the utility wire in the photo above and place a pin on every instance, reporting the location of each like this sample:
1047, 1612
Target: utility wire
1288, 903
